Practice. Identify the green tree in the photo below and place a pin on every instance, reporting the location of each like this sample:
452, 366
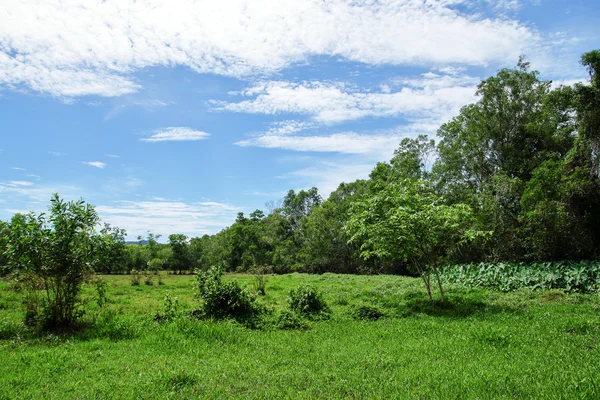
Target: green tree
407, 220
58, 251
181, 257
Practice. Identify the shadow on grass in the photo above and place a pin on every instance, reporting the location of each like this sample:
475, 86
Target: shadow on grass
455, 306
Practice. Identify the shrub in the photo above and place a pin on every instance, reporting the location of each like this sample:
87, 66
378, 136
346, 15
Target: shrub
148, 279
170, 309
100, 286
309, 302
367, 313
135, 277
57, 253
223, 300
289, 320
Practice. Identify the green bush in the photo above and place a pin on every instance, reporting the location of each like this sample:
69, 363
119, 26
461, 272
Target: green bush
220, 299
307, 301
170, 309
135, 277
289, 320
367, 313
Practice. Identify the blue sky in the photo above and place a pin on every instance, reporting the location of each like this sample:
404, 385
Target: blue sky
174, 116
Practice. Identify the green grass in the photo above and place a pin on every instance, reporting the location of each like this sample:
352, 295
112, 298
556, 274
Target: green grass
481, 344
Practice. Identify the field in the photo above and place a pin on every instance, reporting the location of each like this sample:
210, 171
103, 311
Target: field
481, 344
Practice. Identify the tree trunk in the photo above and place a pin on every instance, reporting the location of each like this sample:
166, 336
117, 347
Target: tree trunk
439, 281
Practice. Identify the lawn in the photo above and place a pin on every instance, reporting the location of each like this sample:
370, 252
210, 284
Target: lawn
480, 344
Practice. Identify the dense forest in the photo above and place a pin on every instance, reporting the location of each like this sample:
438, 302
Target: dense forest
513, 177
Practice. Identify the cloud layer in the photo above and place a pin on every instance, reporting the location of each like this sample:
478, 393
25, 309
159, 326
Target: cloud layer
76, 48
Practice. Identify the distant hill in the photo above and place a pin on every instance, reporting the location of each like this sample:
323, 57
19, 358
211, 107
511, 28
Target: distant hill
136, 242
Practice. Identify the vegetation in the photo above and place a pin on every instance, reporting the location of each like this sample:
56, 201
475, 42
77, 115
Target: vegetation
583, 277
52, 257
479, 344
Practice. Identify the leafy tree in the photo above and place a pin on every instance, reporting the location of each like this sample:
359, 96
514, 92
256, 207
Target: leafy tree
56, 253
407, 220
111, 252
180, 259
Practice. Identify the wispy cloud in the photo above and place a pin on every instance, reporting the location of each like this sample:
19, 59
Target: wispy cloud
176, 134
429, 96
112, 155
97, 164
93, 48
20, 183
18, 169
56, 153
166, 217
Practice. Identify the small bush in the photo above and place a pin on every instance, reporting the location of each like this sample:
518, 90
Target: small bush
148, 280
367, 313
135, 277
100, 286
309, 302
159, 277
170, 309
223, 300
289, 320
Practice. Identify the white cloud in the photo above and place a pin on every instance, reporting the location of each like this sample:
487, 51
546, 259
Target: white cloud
68, 48
20, 183
166, 217
348, 143
176, 134
96, 164
112, 155
326, 102
56, 153
18, 169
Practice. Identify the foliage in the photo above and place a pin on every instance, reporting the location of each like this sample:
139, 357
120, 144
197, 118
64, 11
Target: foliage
220, 299
308, 301
170, 311
290, 320
408, 221
580, 276
56, 253
100, 286
367, 313
135, 277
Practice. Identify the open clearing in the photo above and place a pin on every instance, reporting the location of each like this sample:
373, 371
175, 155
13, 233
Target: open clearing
482, 344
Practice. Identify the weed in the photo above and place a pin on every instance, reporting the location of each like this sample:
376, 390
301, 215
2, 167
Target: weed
220, 299
135, 277
367, 313
289, 320
308, 301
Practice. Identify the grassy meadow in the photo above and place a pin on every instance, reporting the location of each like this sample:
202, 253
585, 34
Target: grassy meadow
480, 344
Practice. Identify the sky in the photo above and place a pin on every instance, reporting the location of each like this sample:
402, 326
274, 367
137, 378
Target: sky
172, 117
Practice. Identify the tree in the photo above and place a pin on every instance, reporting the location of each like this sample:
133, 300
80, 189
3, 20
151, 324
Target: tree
407, 220
181, 252
55, 253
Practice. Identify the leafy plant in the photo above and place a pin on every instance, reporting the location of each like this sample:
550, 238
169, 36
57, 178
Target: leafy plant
100, 286
582, 276
220, 299
170, 309
148, 279
367, 313
135, 277
308, 301
54, 254
289, 320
